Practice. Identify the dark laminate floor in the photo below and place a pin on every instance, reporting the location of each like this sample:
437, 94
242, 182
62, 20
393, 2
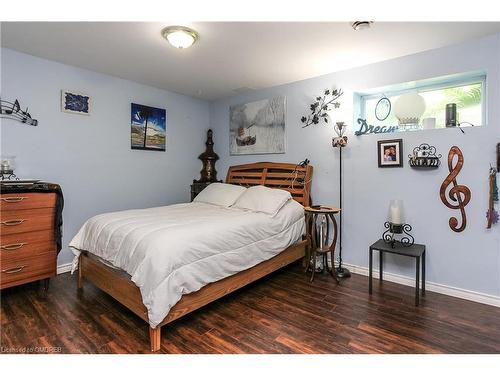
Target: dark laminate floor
283, 313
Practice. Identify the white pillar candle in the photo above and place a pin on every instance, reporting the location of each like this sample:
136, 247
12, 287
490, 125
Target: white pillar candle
396, 214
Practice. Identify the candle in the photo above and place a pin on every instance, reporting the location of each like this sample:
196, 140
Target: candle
396, 215
5, 165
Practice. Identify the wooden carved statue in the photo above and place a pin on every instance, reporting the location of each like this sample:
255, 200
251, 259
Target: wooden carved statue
459, 195
208, 158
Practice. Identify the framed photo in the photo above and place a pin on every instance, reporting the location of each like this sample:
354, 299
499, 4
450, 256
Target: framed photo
75, 102
257, 127
148, 127
390, 153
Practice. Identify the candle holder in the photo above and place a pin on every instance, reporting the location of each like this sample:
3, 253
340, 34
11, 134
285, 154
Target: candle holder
402, 230
7, 164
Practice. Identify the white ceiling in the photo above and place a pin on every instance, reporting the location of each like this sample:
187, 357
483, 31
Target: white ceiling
230, 56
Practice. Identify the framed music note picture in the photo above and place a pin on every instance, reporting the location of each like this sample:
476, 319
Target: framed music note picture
75, 102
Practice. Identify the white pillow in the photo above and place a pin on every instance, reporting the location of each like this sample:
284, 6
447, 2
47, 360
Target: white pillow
220, 194
263, 199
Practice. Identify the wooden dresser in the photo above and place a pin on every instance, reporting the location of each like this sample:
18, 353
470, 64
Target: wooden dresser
28, 247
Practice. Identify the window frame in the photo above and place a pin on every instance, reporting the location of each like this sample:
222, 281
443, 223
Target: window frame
430, 84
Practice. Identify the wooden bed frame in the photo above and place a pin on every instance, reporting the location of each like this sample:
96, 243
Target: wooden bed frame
293, 178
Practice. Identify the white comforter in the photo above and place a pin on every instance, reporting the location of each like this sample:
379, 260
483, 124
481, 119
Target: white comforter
174, 250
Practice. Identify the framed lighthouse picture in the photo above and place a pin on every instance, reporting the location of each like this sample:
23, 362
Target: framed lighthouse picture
148, 127
257, 127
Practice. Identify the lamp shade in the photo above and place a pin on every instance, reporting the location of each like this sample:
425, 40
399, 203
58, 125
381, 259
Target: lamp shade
396, 212
408, 109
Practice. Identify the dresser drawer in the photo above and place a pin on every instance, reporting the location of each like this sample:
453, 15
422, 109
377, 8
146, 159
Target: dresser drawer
23, 201
21, 221
14, 272
22, 245
30, 237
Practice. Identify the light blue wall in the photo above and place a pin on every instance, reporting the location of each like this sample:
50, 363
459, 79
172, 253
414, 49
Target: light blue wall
468, 260
90, 156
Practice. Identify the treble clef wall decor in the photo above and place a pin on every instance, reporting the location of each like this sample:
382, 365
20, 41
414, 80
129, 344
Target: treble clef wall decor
459, 195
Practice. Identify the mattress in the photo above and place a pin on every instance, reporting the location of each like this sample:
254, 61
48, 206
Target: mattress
175, 250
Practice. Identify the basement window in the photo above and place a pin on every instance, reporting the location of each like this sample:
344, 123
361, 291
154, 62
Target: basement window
378, 107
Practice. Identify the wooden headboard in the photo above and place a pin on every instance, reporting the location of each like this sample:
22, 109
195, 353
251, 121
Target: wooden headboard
291, 177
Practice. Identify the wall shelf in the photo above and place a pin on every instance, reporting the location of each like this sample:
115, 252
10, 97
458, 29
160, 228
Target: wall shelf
424, 157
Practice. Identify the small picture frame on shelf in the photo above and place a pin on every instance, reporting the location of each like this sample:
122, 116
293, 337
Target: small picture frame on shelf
75, 102
390, 153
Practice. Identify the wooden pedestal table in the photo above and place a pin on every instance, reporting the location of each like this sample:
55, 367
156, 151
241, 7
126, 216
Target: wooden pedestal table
318, 236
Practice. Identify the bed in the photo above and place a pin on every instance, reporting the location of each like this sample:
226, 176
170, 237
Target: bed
249, 246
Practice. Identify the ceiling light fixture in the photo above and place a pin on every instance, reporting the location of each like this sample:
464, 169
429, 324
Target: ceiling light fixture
180, 36
361, 25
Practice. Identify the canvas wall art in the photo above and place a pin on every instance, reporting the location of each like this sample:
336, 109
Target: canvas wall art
257, 127
75, 102
148, 128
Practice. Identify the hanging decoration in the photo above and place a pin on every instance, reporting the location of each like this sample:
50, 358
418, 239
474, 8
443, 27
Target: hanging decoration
383, 108
424, 156
498, 157
371, 129
13, 111
459, 195
319, 109
492, 214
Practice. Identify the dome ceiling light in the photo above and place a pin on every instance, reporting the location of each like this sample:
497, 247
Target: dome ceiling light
180, 36
361, 25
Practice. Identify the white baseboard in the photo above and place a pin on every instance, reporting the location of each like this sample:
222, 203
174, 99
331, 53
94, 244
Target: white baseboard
470, 295
62, 268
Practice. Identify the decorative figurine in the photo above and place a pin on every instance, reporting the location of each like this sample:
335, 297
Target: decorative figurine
208, 158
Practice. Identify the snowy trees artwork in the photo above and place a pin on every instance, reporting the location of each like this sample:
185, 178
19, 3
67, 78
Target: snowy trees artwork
257, 127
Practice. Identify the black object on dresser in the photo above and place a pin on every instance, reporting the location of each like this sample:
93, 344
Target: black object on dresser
208, 172
30, 239
415, 251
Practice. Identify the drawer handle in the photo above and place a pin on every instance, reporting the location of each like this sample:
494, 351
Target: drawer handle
13, 246
13, 199
14, 270
11, 223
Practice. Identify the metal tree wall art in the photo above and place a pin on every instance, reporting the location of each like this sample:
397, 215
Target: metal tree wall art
319, 109
459, 195
14, 112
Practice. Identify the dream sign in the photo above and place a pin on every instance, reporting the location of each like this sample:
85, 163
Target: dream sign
370, 129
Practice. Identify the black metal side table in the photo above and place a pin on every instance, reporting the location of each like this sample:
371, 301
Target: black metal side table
415, 251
